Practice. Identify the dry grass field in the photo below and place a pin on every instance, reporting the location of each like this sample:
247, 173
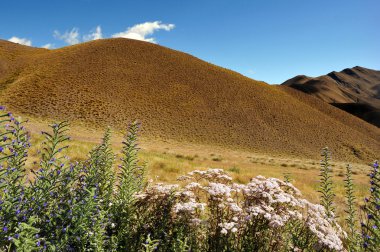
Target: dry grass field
177, 97
167, 160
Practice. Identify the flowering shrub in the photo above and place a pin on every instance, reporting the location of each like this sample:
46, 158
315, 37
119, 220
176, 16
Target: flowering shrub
218, 215
91, 206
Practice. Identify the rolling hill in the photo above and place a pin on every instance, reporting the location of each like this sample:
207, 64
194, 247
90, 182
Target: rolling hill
355, 90
176, 96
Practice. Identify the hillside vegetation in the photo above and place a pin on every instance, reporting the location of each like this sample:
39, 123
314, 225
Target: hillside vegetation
175, 96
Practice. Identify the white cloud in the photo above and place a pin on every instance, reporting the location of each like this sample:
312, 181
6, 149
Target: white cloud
48, 46
96, 34
70, 37
141, 31
22, 41
250, 71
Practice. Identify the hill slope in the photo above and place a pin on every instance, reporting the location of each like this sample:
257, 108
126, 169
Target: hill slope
355, 90
176, 96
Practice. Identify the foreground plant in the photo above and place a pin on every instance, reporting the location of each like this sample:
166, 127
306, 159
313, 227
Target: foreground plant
326, 184
351, 219
91, 206
371, 223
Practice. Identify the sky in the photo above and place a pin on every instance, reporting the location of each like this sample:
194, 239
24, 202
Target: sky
268, 40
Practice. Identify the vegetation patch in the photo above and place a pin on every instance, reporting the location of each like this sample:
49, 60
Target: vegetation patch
91, 205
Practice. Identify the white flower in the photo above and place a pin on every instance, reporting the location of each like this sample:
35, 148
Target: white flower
219, 190
234, 230
187, 194
235, 208
227, 225
192, 186
224, 231
188, 207
196, 221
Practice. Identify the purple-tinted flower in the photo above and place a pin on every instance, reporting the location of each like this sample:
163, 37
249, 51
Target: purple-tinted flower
38, 243
374, 227
1, 149
18, 211
2, 108
5, 229
376, 165
17, 236
45, 204
370, 216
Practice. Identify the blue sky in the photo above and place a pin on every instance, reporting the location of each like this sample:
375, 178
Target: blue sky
269, 40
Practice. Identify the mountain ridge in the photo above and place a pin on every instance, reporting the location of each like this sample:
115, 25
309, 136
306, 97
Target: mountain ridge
355, 90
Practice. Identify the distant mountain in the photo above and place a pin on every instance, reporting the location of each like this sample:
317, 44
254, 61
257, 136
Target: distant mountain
175, 96
355, 90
